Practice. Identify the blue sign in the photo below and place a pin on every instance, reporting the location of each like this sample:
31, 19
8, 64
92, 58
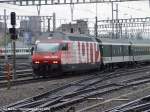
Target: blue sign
27, 37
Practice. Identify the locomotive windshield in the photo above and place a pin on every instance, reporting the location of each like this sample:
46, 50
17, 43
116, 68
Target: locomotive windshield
47, 47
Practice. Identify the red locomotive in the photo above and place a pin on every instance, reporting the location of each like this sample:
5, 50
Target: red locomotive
62, 52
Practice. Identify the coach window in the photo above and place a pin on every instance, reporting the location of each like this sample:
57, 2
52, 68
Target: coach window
120, 50
147, 50
71, 30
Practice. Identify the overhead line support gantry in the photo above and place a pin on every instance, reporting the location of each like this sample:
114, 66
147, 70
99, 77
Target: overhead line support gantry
59, 2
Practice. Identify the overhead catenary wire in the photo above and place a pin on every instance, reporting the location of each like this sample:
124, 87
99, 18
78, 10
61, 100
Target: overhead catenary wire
16, 8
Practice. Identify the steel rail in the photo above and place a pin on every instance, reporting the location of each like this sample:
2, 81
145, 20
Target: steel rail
84, 97
107, 77
20, 74
46, 94
27, 78
142, 104
23, 70
140, 107
50, 92
148, 110
94, 93
50, 102
29, 100
129, 104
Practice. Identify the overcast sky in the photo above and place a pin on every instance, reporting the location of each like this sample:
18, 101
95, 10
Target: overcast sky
126, 10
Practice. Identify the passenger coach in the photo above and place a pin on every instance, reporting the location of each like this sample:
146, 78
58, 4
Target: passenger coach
140, 50
115, 51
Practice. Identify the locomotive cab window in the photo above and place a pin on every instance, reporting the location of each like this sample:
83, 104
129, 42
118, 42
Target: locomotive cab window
47, 47
64, 46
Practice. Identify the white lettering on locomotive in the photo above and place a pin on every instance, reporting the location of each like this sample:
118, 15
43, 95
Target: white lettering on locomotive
81, 52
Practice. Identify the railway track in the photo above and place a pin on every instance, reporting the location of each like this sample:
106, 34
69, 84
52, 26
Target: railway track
22, 70
20, 74
26, 77
139, 105
78, 91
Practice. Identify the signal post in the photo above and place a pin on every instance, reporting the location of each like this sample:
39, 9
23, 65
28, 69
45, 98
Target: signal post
13, 36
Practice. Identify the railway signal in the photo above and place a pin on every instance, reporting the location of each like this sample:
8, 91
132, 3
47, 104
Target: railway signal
13, 18
12, 31
13, 36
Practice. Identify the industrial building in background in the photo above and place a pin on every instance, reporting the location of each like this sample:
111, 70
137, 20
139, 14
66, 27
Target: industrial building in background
33, 25
80, 27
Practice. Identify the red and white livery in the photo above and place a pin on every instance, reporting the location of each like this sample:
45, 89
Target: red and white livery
65, 53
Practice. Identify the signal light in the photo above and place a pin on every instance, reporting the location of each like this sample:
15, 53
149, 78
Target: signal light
13, 18
12, 30
13, 34
36, 62
55, 62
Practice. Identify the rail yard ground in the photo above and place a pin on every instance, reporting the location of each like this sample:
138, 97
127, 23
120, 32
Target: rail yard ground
17, 93
94, 103
113, 99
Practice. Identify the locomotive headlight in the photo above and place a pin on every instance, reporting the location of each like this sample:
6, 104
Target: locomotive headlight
55, 62
36, 62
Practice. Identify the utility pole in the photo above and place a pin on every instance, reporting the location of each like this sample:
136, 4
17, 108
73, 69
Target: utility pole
114, 29
117, 24
96, 27
112, 6
49, 24
38, 9
5, 36
54, 21
72, 9
96, 22
43, 25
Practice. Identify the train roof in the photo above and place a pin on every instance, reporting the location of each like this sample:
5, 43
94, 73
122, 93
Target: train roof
69, 36
81, 37
108, 41
140, 42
